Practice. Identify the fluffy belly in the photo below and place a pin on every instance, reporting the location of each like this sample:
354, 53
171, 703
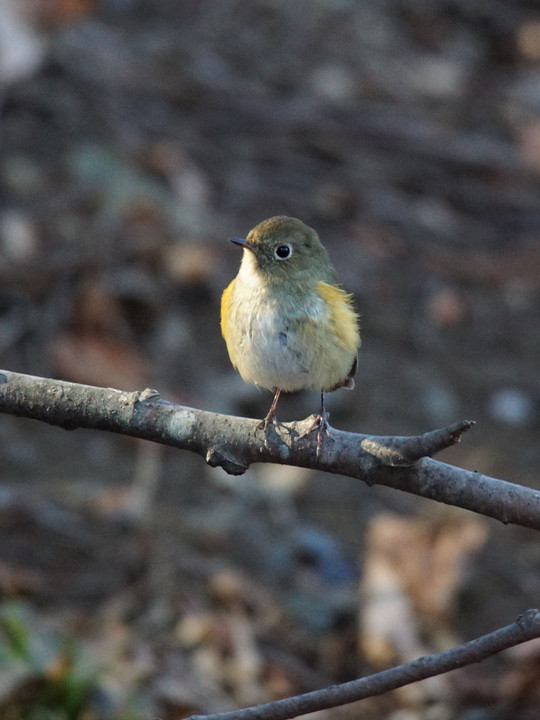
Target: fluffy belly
301, 355
269, 357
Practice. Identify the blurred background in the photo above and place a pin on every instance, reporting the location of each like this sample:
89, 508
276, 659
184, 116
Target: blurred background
135, 139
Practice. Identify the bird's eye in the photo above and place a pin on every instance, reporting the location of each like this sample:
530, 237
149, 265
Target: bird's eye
282, 252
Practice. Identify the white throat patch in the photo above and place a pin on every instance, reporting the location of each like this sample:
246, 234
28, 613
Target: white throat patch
249, 272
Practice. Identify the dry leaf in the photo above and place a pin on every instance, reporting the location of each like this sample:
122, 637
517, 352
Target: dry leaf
94, 360
413, 568
99, 348
528, 40
189, 263
447, 308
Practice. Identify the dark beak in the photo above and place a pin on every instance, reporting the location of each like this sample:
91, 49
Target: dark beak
243, 243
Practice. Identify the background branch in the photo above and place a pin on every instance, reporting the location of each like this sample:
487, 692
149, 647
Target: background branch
526, 627
234, 443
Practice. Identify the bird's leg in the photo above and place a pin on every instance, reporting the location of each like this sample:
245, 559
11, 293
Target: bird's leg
271, 415
321, 422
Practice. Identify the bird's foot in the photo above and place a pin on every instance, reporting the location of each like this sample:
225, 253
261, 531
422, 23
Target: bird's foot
264, 424
270, 418
323, 427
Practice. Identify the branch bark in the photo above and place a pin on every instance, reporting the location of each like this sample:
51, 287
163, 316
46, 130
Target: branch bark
526, 627
234, 443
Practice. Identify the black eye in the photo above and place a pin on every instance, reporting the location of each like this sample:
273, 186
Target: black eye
282, 252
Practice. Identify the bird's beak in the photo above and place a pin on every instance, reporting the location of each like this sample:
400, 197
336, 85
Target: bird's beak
243, 243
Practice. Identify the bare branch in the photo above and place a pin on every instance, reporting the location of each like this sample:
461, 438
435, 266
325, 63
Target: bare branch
526, 627
234, 443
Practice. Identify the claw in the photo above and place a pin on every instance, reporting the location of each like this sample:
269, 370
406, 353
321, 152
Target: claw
322, 425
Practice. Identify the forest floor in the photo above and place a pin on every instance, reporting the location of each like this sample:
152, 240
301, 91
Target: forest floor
135, 139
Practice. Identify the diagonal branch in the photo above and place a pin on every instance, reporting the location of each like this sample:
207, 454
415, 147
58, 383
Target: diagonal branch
526, 627
234, 443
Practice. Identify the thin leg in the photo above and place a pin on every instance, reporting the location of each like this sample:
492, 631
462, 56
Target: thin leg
321, 422
270, 417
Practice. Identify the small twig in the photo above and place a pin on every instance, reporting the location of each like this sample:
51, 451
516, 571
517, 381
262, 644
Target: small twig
404, 451
234, 443
526, 627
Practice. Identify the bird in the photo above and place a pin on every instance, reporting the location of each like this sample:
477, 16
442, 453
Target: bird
287, 323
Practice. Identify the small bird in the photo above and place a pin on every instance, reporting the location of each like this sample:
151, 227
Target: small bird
287, 323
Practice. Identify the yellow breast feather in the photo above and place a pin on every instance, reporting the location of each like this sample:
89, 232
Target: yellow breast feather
343, 318
226, 309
